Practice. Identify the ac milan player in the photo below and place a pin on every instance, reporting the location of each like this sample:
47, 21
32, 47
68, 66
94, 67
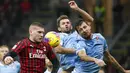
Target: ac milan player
32, 52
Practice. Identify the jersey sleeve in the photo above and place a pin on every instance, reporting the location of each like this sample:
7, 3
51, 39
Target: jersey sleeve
79, 47
105, 45
50, 54
18, 47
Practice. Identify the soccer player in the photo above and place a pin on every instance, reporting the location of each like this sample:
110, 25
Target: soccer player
11, 68
32, 51
92, 46
65, 28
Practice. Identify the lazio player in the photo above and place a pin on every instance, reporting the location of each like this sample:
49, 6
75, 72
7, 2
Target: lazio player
11, 68
65, 27
91, 50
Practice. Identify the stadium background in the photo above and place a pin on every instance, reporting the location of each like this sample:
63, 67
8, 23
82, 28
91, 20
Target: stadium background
16, 15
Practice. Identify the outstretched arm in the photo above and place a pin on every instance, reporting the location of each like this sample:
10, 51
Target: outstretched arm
61, 50
113, 62
88, 19
83, 56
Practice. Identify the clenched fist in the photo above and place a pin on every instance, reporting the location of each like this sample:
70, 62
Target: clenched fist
99, 62
8, 60
73, 5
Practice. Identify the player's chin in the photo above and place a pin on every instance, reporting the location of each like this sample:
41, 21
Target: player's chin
39, 40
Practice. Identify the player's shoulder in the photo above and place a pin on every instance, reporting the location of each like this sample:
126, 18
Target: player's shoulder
61, 34
98, 35
23, 40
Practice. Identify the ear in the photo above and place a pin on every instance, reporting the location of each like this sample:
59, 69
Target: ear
30, 31
59, 29
71, 27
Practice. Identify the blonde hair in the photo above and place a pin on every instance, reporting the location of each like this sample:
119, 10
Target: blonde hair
1, 47
4, 46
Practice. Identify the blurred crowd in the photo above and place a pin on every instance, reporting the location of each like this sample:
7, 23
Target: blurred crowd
12, 12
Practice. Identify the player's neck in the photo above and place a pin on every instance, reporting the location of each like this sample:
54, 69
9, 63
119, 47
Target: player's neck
89, 37
31, 39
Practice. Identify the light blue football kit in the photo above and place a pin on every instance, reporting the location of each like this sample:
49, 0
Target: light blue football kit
11, 68
67, 60
94, 47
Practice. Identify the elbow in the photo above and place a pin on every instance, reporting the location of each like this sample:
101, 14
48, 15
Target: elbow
92, 19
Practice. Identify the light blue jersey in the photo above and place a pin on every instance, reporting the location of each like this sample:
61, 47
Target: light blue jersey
67, 60
62, 35
94, 48
11, 68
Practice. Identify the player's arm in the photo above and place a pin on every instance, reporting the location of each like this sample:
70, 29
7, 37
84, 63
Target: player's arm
113, 62
8, 58
49, 65
83, 56
61, 50
88, 19
55, 64
54, 60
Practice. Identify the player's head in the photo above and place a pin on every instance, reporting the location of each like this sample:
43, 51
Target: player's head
83, 28
36, 31
64, 24
3, 51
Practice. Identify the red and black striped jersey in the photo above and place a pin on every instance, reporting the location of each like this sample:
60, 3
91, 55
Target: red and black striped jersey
32, 55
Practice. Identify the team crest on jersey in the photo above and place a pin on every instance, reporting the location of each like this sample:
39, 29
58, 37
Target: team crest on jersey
97, 37
44, 48
31, 46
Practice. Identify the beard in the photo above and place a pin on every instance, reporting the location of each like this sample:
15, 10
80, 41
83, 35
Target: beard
86, 36
68, 30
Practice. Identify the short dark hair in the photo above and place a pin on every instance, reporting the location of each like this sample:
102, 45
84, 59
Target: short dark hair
78, 23
37, 24
60, 18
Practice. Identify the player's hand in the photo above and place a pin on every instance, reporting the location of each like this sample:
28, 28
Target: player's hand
100, 62
58, 49
8, 60
127, 71
73, 5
